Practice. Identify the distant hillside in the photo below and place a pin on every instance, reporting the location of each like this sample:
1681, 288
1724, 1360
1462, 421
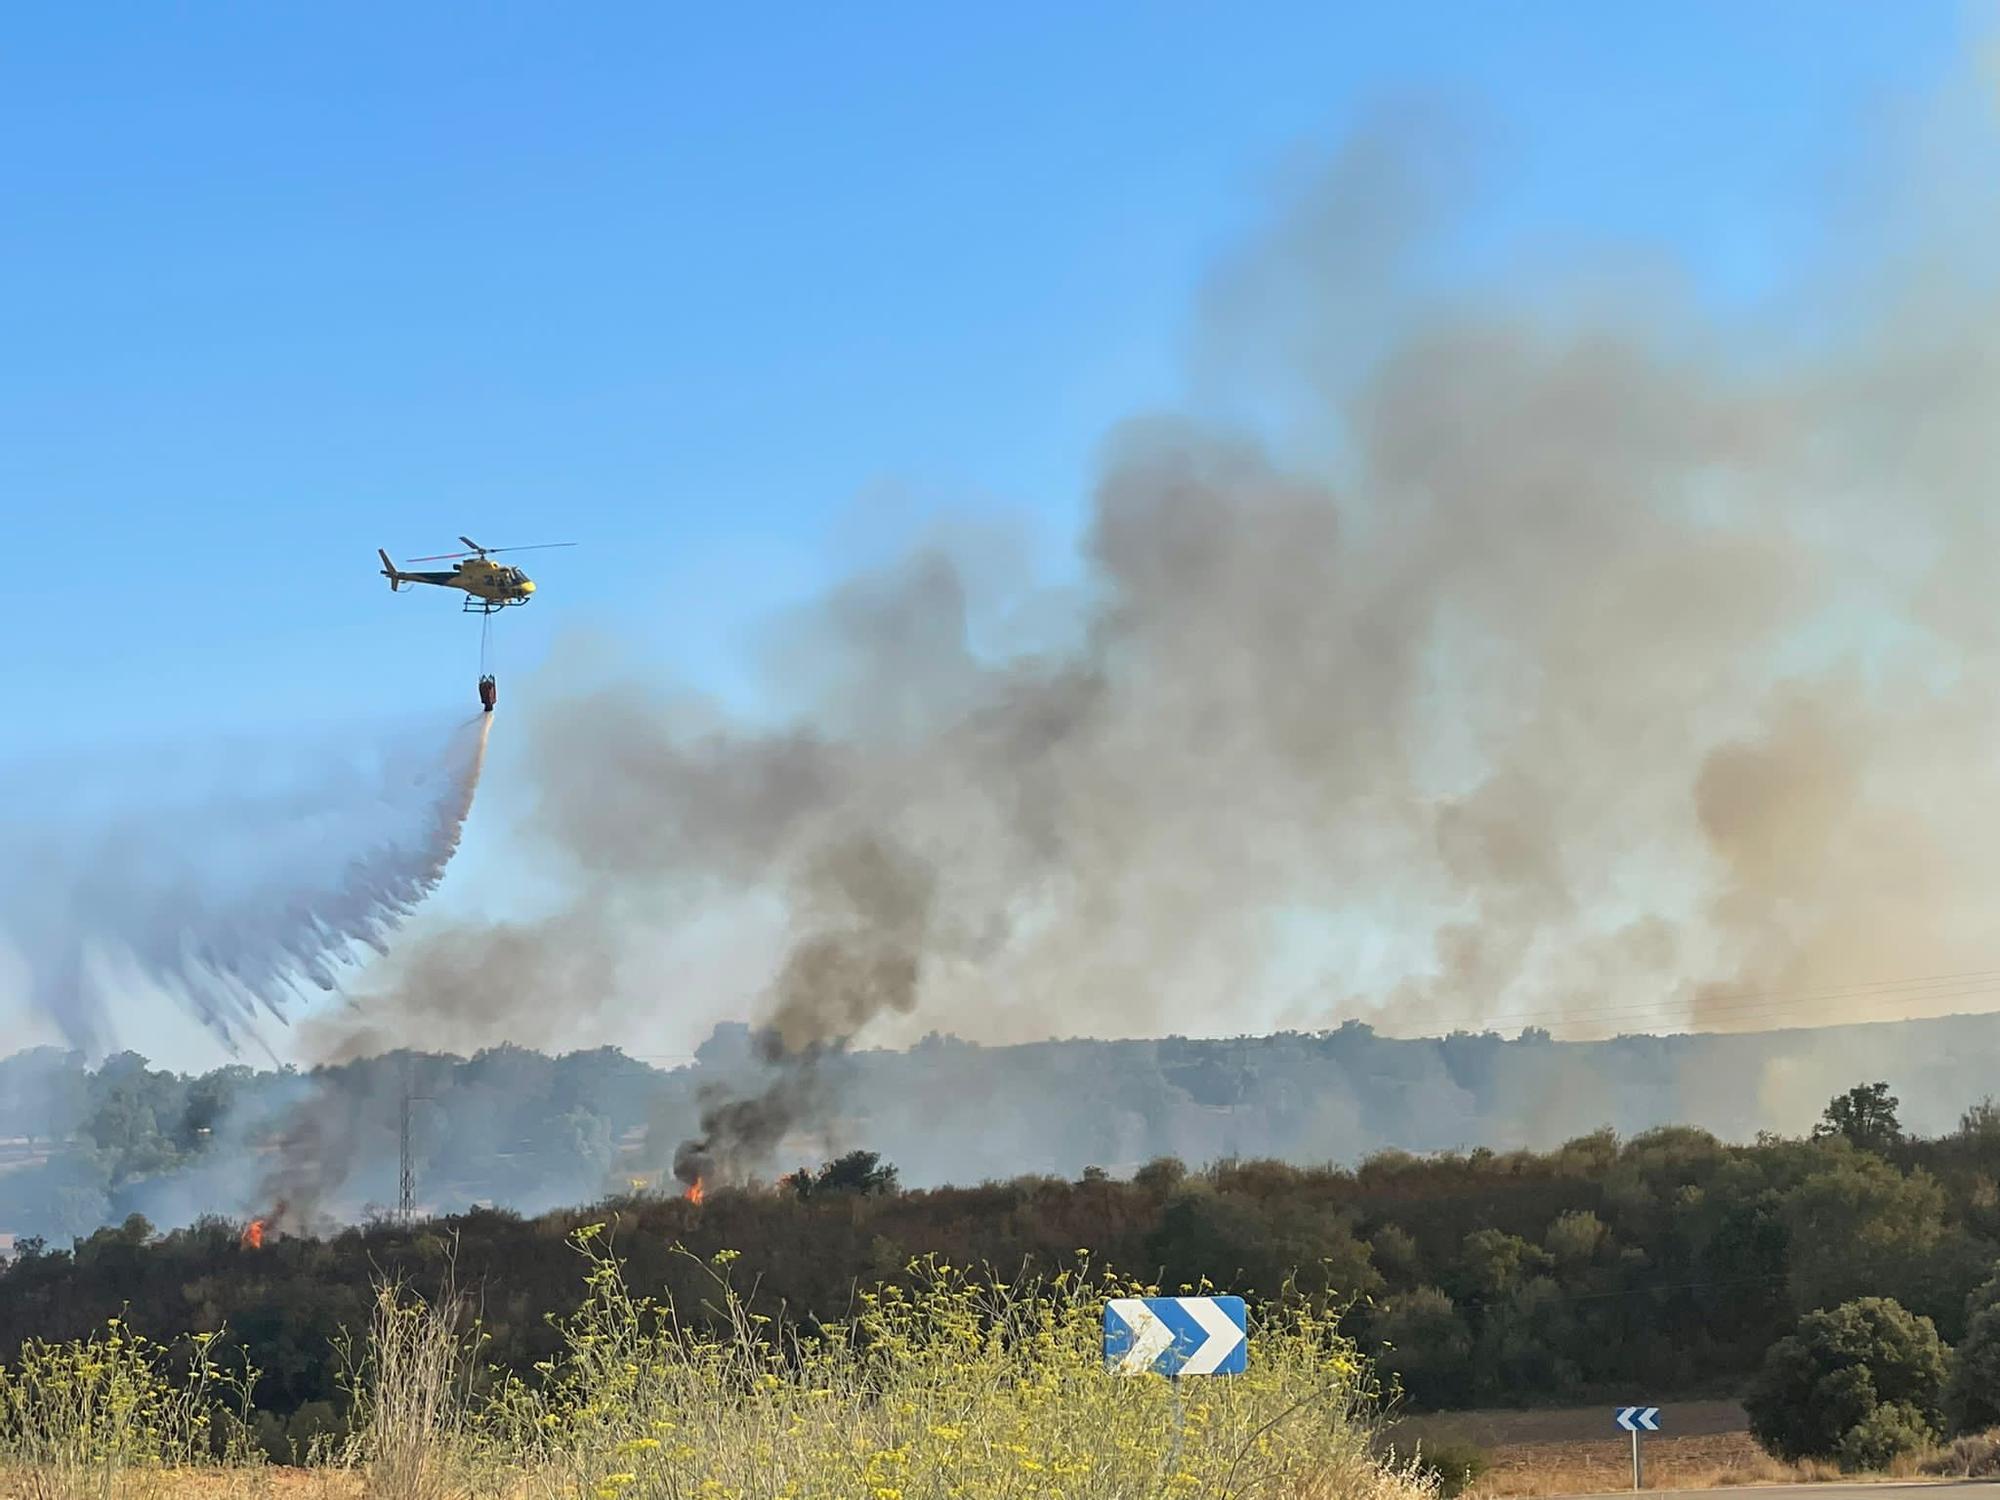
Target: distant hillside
82, 1147
949, 1111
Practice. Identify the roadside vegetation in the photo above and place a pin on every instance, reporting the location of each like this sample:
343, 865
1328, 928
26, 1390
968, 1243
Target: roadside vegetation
1662, 1266
945, 1384
1847, 1284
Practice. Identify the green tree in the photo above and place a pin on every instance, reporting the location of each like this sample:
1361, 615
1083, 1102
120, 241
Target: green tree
1525, 1339
1494, 1263
1161, 1175
1394, 1251
1972, 1400
586, 1139
1891, 1430
1857, 1384
1865, 1116
1981, 1122
1861, 1227
207, 1102
856, 1172
1575, 1238
1427, 1348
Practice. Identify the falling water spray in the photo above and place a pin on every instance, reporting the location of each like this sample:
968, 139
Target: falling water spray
245, 879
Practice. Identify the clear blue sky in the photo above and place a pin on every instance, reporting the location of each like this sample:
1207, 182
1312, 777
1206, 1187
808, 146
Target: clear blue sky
282, 284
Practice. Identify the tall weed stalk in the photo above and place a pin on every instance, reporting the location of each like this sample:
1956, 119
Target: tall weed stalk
112, 1414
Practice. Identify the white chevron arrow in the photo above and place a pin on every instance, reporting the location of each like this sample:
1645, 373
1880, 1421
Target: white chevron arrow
1150, 1337
1223, 1335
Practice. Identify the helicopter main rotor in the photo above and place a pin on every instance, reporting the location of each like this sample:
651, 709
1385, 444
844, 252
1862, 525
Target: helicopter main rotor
479, 551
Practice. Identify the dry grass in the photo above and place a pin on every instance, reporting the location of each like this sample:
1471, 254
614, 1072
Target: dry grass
1974, 1457
111, 1416
1576, 1450
1527, 1468
1675, 1463
232, 1482
1501, 1428
1567, 1451
412, 1385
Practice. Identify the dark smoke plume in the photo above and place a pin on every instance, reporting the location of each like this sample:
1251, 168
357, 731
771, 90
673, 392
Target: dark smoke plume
739, 1135
1579, 657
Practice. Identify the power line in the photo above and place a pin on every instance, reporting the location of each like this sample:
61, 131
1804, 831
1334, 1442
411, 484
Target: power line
1935, 987
1968, 984
406, 1179
406, 1174
1676, 1286
1479, 1299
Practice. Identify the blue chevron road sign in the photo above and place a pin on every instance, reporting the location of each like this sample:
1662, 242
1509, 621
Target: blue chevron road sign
1638, 1418
1176, 1335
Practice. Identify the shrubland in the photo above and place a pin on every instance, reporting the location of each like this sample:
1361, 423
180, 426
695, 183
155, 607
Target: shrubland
944, 1383
1670, 1262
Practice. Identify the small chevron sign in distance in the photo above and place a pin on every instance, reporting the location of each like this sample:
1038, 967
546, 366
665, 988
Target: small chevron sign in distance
1176, 1336
1638, 1418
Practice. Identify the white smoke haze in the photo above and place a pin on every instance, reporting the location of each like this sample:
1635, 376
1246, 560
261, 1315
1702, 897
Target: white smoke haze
227, 884
1618, 670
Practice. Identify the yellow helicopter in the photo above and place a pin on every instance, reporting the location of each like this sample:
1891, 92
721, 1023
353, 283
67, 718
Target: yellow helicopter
488, 585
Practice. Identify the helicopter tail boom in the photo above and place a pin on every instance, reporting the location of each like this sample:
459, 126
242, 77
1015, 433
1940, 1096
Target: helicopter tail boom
389, 572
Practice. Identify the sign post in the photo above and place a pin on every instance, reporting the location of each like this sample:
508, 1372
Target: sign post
1637, 1420
1176, 1336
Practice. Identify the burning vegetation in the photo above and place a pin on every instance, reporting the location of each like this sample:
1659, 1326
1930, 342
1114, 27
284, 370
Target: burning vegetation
262, 1228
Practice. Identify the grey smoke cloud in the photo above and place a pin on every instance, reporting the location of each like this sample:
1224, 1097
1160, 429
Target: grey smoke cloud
1616, 663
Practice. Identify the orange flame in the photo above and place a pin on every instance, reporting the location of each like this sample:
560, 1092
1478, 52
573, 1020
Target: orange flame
253, 1235
696, 1192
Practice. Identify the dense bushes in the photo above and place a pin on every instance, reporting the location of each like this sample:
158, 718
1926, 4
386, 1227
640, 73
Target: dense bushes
1972, 1400
1668, 1263
1861, 1384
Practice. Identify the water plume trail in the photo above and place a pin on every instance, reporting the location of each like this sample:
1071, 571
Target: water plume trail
235, 896
405, 889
